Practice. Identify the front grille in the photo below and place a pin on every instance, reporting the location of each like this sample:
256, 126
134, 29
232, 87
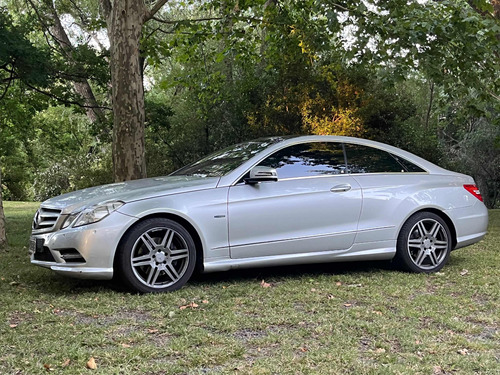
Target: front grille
45, 219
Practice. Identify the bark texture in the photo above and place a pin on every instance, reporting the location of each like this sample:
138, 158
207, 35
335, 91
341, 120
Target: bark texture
125, 19
3, 235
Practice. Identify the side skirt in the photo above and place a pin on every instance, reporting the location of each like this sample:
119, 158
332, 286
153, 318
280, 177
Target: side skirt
380, 250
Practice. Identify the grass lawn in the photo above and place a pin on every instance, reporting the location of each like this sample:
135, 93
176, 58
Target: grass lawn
341, 318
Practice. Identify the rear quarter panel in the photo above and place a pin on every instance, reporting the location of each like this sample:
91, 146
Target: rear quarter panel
390, 199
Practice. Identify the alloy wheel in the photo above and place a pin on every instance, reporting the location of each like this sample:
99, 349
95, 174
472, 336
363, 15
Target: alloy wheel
428, 244
159, 257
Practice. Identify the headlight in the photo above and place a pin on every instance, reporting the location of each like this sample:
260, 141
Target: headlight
69, 220
96, 213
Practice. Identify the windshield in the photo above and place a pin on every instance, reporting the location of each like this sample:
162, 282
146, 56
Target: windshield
224, 161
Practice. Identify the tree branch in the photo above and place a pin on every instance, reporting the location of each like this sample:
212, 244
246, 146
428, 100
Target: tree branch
340, 7
151, 13
10, 79
171, 22
203, 19
65, 101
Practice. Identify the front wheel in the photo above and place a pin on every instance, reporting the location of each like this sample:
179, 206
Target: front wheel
157, 255
424, 243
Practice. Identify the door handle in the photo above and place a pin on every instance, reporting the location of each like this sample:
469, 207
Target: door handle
340, 188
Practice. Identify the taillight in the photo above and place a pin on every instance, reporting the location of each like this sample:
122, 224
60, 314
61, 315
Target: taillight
474, 191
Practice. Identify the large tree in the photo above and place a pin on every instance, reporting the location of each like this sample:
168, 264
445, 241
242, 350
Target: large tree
125, 20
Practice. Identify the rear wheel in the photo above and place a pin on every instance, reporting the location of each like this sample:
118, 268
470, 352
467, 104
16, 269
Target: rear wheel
424, 243
158, 255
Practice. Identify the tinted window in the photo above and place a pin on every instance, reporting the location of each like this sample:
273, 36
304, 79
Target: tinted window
409, 166
224, 161
307, 159
364, 159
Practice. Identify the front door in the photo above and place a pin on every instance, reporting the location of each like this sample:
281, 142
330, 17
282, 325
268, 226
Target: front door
314, 206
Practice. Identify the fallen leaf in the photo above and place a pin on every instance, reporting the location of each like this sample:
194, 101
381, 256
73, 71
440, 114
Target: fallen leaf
463, 352
338, 283
12, 325
204, 301
330, 296
464, 272
380, 350
66, 363
437, 370
313, 290
91, 364
13, 283
192, 305
377, 312
264, 284
48, 367
152, 330
126, 345
417, 342
347, 304
303, 349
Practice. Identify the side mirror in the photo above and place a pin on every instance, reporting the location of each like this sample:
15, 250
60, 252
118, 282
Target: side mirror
260, 173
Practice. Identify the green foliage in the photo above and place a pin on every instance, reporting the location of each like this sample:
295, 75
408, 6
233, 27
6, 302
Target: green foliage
19, 58
410, 73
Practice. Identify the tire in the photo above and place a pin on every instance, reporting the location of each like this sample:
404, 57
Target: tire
157, 255
424, 243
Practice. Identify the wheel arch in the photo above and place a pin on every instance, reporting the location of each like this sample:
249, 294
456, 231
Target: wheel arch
178, 219
443, 216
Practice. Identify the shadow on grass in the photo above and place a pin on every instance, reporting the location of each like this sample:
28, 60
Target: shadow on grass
295, 271
57, 285
60, 285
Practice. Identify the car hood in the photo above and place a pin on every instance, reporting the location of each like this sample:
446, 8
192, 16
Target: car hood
129, 191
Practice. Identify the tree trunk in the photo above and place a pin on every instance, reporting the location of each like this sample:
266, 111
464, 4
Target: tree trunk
81, 85
125, 19
3, 236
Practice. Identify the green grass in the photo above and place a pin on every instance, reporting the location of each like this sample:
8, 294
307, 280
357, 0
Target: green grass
349, 318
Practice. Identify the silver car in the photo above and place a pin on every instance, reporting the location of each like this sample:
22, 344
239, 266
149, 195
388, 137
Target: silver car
267, 202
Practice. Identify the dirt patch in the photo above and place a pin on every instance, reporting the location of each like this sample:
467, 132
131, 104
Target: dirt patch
248, 334
19, 317
105, 320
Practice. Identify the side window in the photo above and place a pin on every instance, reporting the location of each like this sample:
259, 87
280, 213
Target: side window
365, 159
409, 166
307, 159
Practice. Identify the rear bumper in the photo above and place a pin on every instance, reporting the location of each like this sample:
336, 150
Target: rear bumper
471, 223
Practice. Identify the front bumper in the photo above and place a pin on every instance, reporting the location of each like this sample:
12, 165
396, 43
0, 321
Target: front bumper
85, 252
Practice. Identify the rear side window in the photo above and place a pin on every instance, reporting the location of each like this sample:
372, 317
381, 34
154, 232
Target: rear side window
365, 159
409, 166
308, 159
